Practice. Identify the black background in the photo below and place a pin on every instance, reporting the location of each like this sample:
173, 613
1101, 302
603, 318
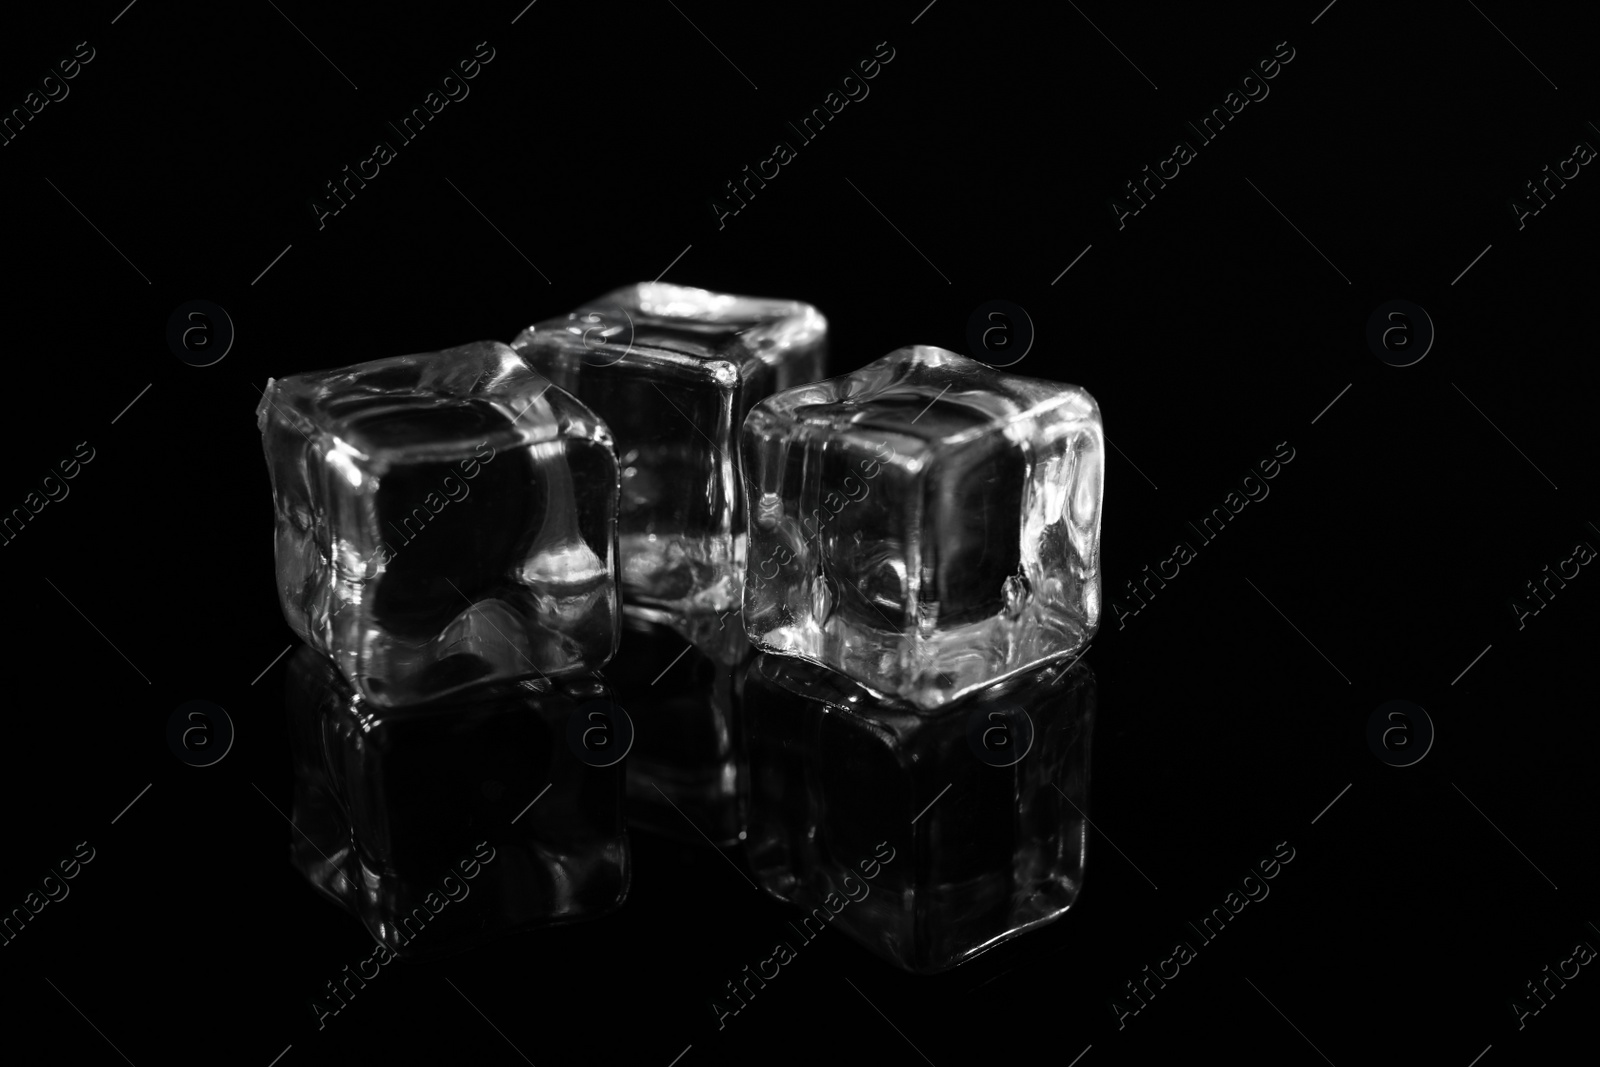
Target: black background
1209, 329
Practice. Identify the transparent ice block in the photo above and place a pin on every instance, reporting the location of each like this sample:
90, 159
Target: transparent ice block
446, 825
928, 839
926, 525
673, 371
443, 519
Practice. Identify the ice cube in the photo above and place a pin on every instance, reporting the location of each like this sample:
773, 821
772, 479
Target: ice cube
926, 525
686, 769
448, 824
674, 371
443, 519
927, 838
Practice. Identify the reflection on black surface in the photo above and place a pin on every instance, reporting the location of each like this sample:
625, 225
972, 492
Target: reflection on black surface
921, 836
685, 767
445, 825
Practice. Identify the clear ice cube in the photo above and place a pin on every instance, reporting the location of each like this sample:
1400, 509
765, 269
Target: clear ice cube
926, 525
421, 822
443, 519
673, 371
927, 839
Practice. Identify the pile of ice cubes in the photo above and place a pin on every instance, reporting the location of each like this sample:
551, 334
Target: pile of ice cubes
643, 565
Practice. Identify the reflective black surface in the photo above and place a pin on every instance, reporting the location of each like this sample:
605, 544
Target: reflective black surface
1390, 561
687, 709
446, 825
926, 838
